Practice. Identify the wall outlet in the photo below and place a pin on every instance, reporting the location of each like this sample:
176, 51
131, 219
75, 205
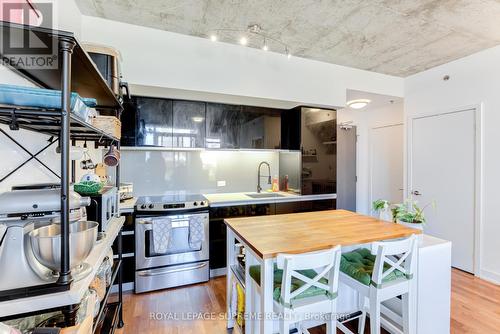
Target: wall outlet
221, 183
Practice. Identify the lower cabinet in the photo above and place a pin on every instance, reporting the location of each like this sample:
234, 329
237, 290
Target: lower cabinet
128, 248
218, 228
305, 206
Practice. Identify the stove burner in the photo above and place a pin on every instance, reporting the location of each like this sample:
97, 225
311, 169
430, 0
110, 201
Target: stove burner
171, 202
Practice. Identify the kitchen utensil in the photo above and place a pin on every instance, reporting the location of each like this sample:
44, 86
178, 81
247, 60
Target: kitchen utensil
112, 157
86, 162
46, 243
126, 191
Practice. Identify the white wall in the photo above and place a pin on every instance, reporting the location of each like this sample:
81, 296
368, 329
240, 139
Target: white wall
154, 57
365, 120
66, 16
473, 80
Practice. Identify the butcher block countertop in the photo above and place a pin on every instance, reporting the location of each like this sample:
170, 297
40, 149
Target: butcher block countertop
297, 233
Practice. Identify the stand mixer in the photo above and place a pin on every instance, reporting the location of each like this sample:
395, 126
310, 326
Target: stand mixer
21, 211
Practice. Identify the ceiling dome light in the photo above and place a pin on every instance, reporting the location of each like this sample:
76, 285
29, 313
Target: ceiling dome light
358, 104
243, 40
213, 38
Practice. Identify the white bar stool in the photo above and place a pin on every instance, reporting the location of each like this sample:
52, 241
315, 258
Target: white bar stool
392, 275
308, 285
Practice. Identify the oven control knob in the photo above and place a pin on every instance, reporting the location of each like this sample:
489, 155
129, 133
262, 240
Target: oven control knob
143, 206
202, 203
151, 206
195, 203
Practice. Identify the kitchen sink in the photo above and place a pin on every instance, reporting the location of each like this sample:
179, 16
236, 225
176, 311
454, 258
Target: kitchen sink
264, 195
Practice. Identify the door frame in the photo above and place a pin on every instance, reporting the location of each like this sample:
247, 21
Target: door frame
478, 170
370, 161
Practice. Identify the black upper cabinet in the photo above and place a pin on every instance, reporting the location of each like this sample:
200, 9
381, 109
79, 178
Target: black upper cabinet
154, 122
260, 128
149, 121
189, 124
291, 129
223, 125
128, 119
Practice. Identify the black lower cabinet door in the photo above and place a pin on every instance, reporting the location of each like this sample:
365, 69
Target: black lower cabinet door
305, 206
218, 229
217, 244
128, 269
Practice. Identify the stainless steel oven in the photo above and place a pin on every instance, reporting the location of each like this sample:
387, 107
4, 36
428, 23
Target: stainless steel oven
180, 261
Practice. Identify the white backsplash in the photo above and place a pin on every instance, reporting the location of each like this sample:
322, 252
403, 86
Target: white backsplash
157, 172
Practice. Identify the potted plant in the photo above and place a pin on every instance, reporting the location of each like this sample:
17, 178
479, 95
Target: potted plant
410, 214
382, 207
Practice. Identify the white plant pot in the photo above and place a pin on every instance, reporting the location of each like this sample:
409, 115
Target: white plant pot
412, 225
385, 214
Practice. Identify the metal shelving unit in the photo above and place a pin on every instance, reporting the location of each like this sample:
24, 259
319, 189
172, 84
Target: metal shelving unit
75, 73
48, 122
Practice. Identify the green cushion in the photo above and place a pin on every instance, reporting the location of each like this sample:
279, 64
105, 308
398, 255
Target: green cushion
359, 265
296, 283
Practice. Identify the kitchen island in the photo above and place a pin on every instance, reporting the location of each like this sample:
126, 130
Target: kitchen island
267, 236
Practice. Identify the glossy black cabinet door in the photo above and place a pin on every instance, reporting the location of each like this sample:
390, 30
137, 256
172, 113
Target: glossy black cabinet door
218, 228
128, 119
260, 128
189, 124
305, 206
291, 129
154, 122
223, 125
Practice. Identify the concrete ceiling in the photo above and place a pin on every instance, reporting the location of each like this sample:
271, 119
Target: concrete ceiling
397, 37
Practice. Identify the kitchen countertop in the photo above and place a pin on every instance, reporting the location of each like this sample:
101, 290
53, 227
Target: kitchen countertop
230, 199
128, 205
298, 233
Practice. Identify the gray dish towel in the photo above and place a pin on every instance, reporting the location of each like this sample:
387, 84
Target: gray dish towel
196, 232
161, 234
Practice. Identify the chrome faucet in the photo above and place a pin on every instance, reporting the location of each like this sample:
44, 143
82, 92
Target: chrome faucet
259, 188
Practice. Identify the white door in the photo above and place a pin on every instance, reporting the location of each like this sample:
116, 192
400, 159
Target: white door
386, 163
443, 171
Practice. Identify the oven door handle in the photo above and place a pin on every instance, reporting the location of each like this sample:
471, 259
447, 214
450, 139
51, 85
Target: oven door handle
170, 271
175, 223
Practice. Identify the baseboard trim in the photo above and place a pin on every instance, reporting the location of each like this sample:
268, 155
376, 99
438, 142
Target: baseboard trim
490, 276
125, 287
217, 272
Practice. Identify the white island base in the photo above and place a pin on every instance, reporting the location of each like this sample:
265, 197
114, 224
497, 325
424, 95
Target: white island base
433, 295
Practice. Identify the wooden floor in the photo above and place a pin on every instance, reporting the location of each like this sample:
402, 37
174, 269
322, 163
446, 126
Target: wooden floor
475, 308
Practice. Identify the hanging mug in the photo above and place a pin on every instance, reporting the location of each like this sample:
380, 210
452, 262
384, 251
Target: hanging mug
112, 157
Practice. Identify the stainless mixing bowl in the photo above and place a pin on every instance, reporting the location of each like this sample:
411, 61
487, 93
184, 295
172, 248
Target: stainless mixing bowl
46, 243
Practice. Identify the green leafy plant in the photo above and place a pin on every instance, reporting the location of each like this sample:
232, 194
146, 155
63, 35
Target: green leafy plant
380, 204
410, 212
